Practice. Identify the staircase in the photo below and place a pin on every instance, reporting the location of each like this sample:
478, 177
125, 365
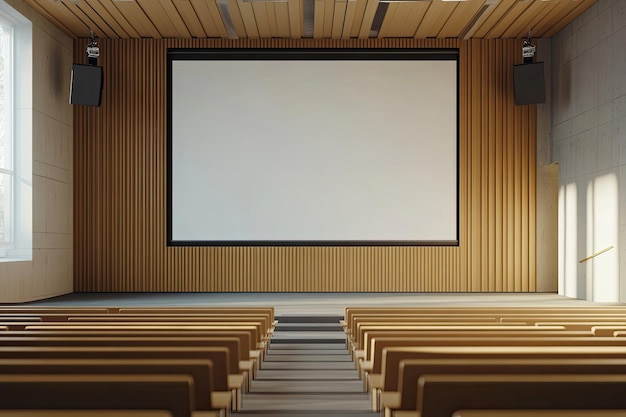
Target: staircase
307, 371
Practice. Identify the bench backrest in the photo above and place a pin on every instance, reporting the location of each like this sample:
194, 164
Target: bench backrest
232, 344
562, 318
199, 369
85, 413
442, 395
167, 392
217, 355
539, 413
378, 345
254, 333
44, 310
192, 310
386, 317
263, 322
370, 336
18, 318
580, 325
604, 330
496, 311
449, 328
244, 337
413, 369
393, 355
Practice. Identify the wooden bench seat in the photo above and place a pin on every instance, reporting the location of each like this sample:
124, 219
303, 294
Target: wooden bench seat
195, 310
356, 331
514, 314
356, 342
393, 355
253, 330
571, 317
442, 395
45, 310
496, 311
383, 321
239, 361
266, 315
410, 371
85, 413
385, 374
604, 330
264, 326
539, 413
219, 356
236, 382
139, 310
248, 358
200, 371
581, 325
262, 337
180, 324
36, 391
19, 318
369, 337
360, 345
395, 317
264, 320
380, 344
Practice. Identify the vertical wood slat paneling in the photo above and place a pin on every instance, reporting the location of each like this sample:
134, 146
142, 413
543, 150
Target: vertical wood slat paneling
120, 183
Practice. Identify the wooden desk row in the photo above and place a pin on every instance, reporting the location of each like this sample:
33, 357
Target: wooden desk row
422, 361
145, 362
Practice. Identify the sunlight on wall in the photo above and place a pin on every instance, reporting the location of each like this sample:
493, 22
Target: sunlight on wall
598, 278
602, 272
568, 240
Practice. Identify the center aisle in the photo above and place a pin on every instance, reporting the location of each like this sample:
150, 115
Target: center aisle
307, 372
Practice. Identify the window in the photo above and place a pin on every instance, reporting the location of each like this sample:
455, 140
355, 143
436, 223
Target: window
16, 127
6, 132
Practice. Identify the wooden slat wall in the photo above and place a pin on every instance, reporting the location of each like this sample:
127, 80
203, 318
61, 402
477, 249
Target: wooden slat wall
120, 183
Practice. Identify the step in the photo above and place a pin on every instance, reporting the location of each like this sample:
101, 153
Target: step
311, 337
309, 319
311, 340
321, 327
307, 371
307, 348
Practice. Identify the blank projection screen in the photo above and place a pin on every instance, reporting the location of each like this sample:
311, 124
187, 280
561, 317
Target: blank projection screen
298, 147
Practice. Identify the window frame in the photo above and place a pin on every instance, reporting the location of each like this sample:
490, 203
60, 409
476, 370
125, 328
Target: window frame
19, 246
7, 26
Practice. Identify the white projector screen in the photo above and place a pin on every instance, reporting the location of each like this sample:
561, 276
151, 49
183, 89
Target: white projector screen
313, 148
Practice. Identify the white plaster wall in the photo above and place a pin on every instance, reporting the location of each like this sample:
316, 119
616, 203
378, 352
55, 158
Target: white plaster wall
50, 272
589, 143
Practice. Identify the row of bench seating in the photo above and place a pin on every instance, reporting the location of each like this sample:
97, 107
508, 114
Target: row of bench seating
461, 361
139, 362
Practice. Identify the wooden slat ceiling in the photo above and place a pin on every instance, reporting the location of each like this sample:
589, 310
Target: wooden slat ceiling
330, 19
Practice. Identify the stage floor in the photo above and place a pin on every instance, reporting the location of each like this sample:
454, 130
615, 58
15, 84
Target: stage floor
313, 303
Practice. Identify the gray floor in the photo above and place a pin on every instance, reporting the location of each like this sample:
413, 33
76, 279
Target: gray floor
311, 303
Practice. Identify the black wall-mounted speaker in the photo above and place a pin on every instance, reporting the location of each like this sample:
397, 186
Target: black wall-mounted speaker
86, 85
529, 83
